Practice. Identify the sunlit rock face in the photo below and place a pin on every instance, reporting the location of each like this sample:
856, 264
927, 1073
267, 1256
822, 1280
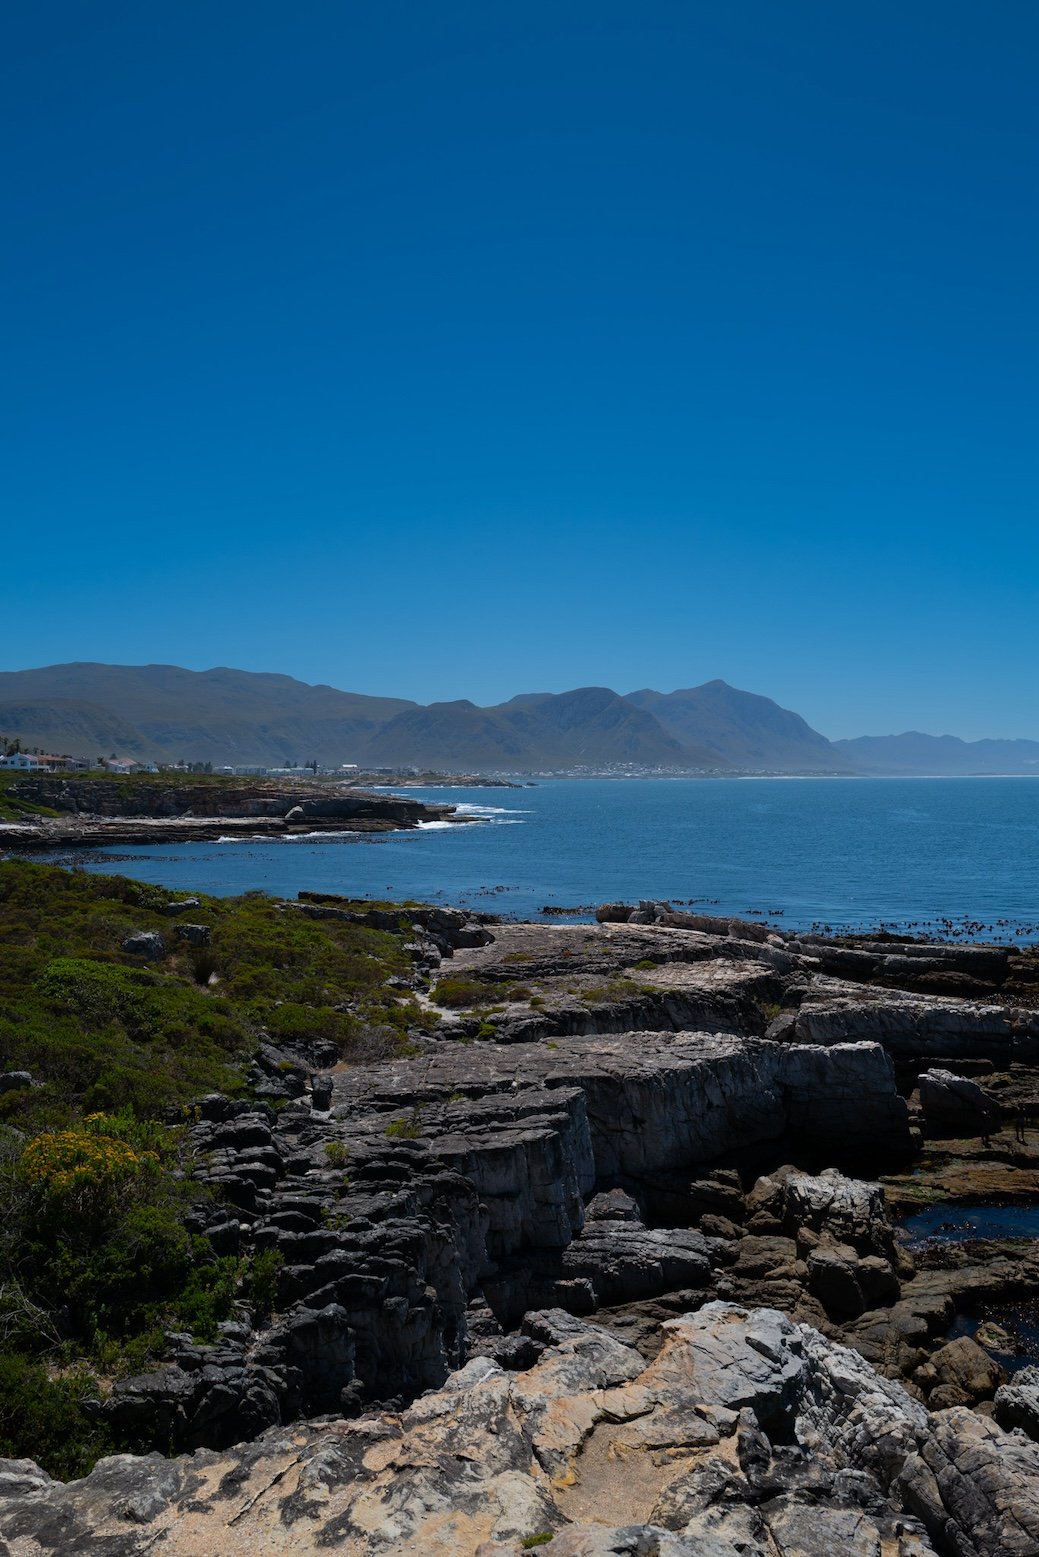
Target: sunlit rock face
747, 1433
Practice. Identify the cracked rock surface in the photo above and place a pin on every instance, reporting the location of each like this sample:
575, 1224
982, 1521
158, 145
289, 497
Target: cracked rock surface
746, 1434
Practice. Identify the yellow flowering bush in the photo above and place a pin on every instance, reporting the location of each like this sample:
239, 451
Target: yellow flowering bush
80, 1160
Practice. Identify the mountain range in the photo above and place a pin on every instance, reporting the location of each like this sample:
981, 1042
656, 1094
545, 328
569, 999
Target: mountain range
164, 713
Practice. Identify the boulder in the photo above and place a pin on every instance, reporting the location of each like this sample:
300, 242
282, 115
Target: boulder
145, 943
15, 1080
1017, 1403
612, 1205
321, 1093
625, 1261
954, 1102
966, 1374
194, 934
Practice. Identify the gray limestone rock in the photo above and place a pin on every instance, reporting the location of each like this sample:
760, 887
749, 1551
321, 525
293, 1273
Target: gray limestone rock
15, 1080
194, 934
910, 1026
1017, 1403
145, 943
955, 1102
746, 1434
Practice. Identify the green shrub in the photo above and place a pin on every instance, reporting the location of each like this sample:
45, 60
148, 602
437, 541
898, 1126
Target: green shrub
615, 989
516, 992
209, 1293
42, 1418
260, 1282
405, 1129
457, 991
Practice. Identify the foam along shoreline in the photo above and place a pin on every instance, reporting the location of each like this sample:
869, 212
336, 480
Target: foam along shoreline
323, 818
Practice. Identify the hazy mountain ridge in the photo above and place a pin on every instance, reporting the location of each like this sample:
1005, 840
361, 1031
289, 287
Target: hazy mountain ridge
225, 716
916, 753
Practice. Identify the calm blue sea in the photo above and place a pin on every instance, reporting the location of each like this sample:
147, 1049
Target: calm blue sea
906, 853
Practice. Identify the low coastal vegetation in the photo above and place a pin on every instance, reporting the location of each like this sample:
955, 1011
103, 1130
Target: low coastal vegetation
103, 1049
15, 807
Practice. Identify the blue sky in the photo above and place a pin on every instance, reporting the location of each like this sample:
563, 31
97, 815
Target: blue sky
466, 349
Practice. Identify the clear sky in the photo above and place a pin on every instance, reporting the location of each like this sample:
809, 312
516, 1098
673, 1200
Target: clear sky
461, 349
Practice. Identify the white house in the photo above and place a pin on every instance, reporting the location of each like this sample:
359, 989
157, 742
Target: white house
24, 762
127, 765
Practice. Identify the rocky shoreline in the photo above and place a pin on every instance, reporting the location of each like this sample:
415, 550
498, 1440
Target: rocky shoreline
640, 1185
95, 813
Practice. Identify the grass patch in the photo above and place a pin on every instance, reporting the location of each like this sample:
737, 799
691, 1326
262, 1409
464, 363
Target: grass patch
15, 808
405, 1129
460, 993
606, 994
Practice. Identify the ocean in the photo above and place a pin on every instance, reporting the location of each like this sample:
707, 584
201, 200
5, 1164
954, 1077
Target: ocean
953, 856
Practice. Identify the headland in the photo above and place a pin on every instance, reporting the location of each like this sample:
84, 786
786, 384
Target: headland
58, 812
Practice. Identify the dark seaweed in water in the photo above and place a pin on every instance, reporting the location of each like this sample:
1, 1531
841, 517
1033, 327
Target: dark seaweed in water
957, 1223
965, 1224
1019, 1320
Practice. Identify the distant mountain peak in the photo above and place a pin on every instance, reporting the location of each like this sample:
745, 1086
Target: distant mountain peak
750, 731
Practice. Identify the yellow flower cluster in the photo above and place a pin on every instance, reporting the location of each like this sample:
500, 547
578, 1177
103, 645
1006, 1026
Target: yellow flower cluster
73, 1159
